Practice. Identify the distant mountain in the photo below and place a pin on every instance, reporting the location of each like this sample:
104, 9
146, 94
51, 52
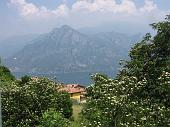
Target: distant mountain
11, 45
120, 27
65, 50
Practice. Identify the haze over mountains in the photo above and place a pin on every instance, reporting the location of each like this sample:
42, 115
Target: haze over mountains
65, 50
11, 45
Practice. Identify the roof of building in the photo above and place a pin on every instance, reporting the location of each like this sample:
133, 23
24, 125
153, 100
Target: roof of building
73, 88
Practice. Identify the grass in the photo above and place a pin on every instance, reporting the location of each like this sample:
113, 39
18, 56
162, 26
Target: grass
76, 110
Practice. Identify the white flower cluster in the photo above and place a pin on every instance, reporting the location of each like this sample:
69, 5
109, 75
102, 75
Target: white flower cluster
109, 98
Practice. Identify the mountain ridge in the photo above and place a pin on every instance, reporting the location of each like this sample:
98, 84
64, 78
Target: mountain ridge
65, 49
15, 43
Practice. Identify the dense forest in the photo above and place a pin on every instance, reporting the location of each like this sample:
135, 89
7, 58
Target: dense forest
139, 96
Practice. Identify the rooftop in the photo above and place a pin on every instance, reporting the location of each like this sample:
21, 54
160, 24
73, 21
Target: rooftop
73, 88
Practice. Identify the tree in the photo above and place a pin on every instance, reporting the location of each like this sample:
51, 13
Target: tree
24, 105
150, 58
5, 74
140, 95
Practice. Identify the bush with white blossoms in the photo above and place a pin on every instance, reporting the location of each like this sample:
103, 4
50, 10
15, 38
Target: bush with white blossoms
24, 104
140, 95
113, 103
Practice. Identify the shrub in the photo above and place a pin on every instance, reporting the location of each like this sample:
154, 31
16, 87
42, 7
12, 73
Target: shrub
23, 105
51, 118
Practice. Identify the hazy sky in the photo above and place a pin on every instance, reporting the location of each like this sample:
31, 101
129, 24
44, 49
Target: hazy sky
39, 16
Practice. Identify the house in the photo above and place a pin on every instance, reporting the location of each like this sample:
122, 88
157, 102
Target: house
77, 92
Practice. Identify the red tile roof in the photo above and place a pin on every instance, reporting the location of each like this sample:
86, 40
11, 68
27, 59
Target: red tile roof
73, 88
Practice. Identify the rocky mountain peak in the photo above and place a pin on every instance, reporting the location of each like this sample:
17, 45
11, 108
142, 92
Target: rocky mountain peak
66, 27
66, 50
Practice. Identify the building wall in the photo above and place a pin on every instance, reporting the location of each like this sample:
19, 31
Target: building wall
75, 96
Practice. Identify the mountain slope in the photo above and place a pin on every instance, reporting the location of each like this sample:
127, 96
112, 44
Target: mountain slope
14, 44
67, 50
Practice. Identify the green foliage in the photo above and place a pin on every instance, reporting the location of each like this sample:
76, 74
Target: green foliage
0, 61
106, 100
5, 77
117, 103
51, 118
150, 58
24, 79
140, 95
23, 105
5, 74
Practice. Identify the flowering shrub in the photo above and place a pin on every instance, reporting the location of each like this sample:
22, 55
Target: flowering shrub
140, 95
23, 105
116, 103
